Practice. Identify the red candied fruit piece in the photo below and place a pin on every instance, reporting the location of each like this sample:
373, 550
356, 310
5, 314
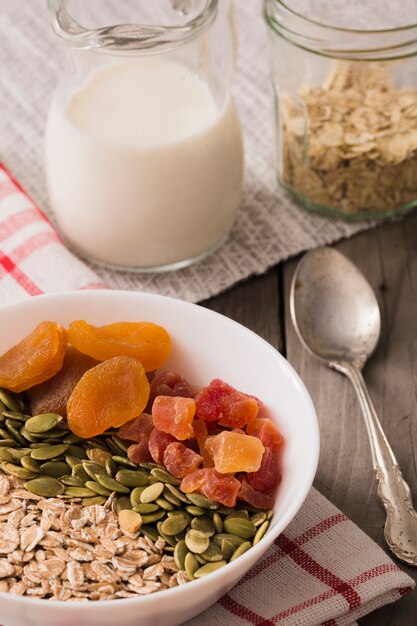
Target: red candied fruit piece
258, 499
174, 415
265, 430
158, 443
139, 452
205, 452
217, 487
268, 475
219, 401
167, 383
137, 428
199, 429
180, 460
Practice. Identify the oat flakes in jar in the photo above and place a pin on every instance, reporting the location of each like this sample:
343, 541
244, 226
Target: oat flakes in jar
144, 155
345, 84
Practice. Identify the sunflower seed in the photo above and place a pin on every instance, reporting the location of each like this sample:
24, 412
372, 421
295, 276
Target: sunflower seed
45, 486
49, 452
42, 423
151, 493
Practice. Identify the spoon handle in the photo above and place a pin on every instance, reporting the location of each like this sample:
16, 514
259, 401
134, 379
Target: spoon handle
401, 524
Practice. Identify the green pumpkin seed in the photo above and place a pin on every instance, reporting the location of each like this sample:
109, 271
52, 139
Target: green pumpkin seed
37, 444
7, 443
49, 452
30, 464
15, 432
71, 461
204, 525
150, 466
6, 455
213, 553
122, 504
43, 423
54, 468
18, 453
131, 478
164, 504
191, 565
151, 493
97, 488
94, 501
180, 553
202, 501
77, 451
71, 481
10, 401
79, 492
111, 483
32, 438
111, 467
16, 470
269, 514
239, 526
242, 514
195, 510
94, 469
174, 524
98, 455
149, 531
244, 547
4, 433
120, 444
79, 472
125, 462
261, 532
227, 549
233, 539
197, 542
164, 476
72, 438
112, 446
17, 417
144, 509
153, 517
218, 523
3, 408
171, 499
208, 569
225, 510
258, 518
135, 496
171, 541
177, 493
45, 486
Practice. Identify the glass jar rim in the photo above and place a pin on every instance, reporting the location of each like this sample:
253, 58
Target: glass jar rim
125, 38
340, 42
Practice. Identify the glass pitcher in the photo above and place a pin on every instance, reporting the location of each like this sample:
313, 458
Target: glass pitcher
144, 155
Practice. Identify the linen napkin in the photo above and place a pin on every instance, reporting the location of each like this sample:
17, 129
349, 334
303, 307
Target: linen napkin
322, 570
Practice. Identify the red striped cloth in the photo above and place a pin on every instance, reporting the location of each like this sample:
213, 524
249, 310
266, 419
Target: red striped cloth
322, 570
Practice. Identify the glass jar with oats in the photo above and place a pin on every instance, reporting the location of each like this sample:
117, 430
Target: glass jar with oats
345, 85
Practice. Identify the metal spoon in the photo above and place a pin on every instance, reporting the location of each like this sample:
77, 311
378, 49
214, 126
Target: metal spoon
336, 316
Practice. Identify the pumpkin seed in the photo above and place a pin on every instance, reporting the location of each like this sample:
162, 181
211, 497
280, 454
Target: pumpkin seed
122, 503
71, 461
195, 510
17, 417
79, 472
180, 552
144, 509
18, 453
177, 493
213, 553
191, 565
131, 478
42, 423
174, 524
112, 446
94, 501
71, 481
233, 539
7, 443
269, 514
111, 467
227, 549
3, 408
164, 504
97, 488
197, 542
202, 501
261, 532
98, 455
258, 518
45, 486
149, 531
125, 462
120, 444
30, 464
204, 525
150, 466
16, 470
15, 433
151, 493
94, 469
111, 483
244, 547
239, 526
209, 568
241, 514
94, 443
49, 452
129, 520
169, 497
164, 476
218, 523
77, 451
171, 541
4, 433
32, 438
79, 492
6, 455
153, 517
135, 495
10, 401
225, 510
72, 438
54, 468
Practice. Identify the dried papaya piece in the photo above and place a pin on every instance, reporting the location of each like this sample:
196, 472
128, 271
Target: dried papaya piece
230, 407
148, 342
52, 395
259, 499
139, 452
158, 443
137, 429
215, 486
267, 432
36, 358
233, 452
109, 394
180, 460
268, 475
174, 415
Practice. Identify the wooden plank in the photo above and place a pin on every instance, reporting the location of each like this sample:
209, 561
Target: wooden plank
387, 256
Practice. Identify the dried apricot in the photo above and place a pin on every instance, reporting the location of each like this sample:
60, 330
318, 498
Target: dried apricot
268, 475
180, 460
234, 452
52, 395
158, 443
136, 429
267, 432
174, 415
109, 394
148, 342
221, 402
259, 499
36, 358
139, 452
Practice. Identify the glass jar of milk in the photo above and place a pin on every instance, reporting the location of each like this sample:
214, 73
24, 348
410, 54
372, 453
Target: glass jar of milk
144, 155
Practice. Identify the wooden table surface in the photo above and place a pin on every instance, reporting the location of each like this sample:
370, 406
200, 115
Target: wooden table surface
387, 256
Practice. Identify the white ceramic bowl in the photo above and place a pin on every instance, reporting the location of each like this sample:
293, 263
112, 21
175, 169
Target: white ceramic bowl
206, 345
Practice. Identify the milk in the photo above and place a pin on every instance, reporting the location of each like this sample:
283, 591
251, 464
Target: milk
144, 169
